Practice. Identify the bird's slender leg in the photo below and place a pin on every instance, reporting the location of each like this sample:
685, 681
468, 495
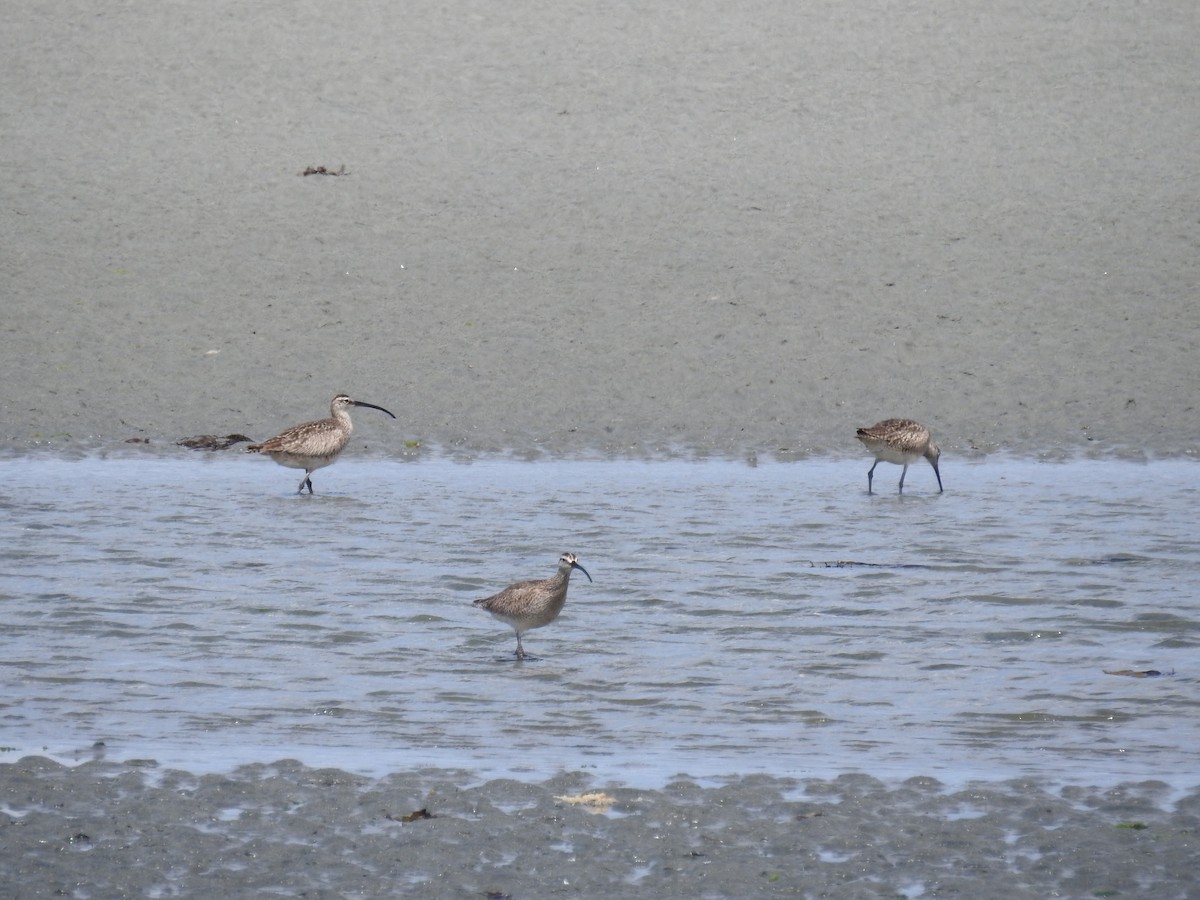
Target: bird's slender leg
870, 475
520, 649
903, 472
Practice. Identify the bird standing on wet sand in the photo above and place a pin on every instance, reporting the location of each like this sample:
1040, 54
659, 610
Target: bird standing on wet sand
900, 441
314, 445
532, 604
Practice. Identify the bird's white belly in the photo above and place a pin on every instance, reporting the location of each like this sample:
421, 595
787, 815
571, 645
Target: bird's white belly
892, 455
300, 461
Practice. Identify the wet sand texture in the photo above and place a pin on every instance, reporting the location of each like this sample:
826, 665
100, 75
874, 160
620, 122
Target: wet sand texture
567, 228
105, 829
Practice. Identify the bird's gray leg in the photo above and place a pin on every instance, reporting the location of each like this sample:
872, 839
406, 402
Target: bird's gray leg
870, 475
520, 649
903, 472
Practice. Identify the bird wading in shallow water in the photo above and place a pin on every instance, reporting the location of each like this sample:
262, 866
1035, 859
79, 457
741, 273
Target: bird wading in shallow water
900, 441
314, 445
532, 604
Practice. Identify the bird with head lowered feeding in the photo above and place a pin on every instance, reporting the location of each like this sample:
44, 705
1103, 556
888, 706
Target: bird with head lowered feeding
900, 441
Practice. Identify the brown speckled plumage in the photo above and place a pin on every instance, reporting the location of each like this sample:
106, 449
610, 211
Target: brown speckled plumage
532, 604
314, 445
900, 441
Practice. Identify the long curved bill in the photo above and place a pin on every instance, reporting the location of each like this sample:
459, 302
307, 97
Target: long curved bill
373, 406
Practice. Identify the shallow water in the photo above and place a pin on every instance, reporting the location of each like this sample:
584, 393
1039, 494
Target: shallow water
771, 618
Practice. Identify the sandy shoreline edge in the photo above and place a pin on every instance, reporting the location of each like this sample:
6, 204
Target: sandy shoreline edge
135, 828
564, 231
65, 447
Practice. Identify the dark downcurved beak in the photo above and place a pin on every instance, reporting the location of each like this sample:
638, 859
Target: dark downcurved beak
372, 406
576, 565
939, 477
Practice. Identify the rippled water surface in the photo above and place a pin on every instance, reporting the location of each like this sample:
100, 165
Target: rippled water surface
771, 618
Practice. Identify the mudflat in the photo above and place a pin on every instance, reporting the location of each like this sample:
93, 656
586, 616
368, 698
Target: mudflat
561, 228
288, 830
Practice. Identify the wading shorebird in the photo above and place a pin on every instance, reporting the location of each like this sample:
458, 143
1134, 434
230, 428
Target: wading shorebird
532, 604
900, 441
314, 445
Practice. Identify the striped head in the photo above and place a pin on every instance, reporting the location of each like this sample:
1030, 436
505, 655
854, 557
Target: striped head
342, 402
569, 561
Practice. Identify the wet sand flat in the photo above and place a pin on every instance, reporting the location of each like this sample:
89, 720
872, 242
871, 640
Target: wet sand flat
567, 228
103, 829
561, 228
